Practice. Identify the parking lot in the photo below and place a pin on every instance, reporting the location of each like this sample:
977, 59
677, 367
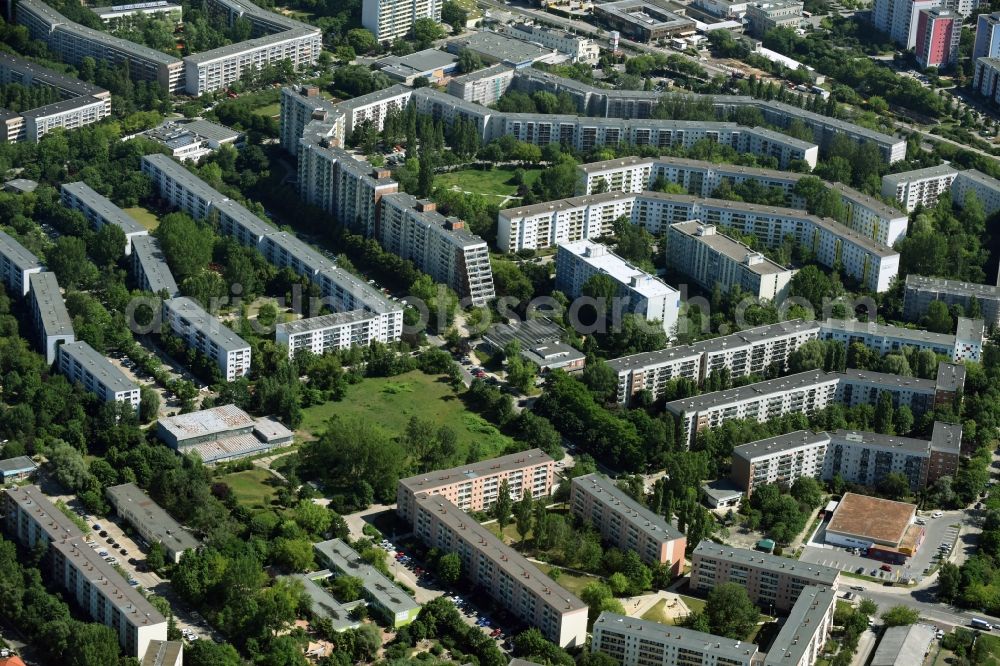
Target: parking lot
938, 532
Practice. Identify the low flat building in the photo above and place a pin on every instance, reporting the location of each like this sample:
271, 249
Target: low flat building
575, 47
904, 646
920, 291
766, 16
49, 314
81, 364
206, 334
190, 140
771, 581
497, 569
151, 521
475, 486
324, 605
630, 641
384, 597
643, 21
495, 48
221, 433
99, 211
430, 64
626, 524
164, 653
16, 265
541, 343
16, 469
884, 527
722, 494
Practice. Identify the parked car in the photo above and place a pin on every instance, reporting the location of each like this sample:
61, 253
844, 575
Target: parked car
857, 588
885, 567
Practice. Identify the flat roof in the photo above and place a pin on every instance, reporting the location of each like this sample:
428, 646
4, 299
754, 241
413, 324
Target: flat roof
215, 421
804, 619
920, 174
137, 6
875, 440
162, 653
817, 573
323, 603
205, 323
503, 556
508, 463
780, 444
950, 377
56, 524
398, 90
946, 437
955, 287
17, 465
493, 70
874, 518
505, 49
176, 171
750, 391
51, 307
618, 163
904, 646
97, 364
916, 335
302, 252
241, 216
433, 220
721, 489
681, 637
416, 64
370, 297
50, 77
153, 517
880, 207
17, 254
102, 206
970, 329
251, 45
569, 203
529, 332
601, 257
645, 14
146, 250
916, 384
324, 321
708, 235
604, 490
788, 139
384, 591
980, 178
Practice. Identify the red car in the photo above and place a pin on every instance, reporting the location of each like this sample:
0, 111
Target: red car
885, 567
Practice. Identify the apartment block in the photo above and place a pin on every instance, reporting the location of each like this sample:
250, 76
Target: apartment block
986, 79
164, 653
48, 311
577, 48
150, 520
781, 459
969, 336
96, 587
918, 187
542, 225
886, 339
483, 87
631, 641
301, 106
754, 351
864, 387
439, 246
709, 258
99, 211
772, 582
16, 265
156, 8
643, 294
809, 623
390, 20
207, 335
866, 215
500, 571
898, 19
625, 523
987, 44
938, 31
766, 16
920, 291
986, 188
81, 364
374, 106
150, 269
475, 487
179, 187
326, 333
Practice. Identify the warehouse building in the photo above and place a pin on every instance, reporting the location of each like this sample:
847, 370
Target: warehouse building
882, 527
221, 433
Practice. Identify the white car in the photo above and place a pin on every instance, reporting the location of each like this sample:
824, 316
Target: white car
936, 514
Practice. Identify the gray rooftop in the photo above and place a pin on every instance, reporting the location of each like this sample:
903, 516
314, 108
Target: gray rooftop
21, 184
153, 517
433, 220
979, 178
915, 335
817, 573
781, 137
954, 287
916, 384
103, 208
946, 437
16, 465
950, 377
604, 490
529, 332
370, 297
177, 172
160, 5
500, 554
721, 489
759, 390
804, 620
377, 96
53, 521
780, 444
416, 64
45, 291
250, 45
874, 440
162, 653
324, 321
303, 252
16, 253
385, 592
510, 462
171, 131
206, 324
66, 84
146, 250
729, 247
970, 329
217, 421
486, 73
873, 203
62, 106
241, 216
681, 637
646, 14
904, 646
323, 603
97, 364
498, 47
919, 174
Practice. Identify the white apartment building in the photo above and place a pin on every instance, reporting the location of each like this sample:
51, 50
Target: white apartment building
643, 294
965, 345
81, 364
568, 220
918, 187
150, 520
985, 187
439, 246
483, 87
578, 48
866, 215
898, 18
390, 20
631, 641
16, 265
52, 321
374, 107
157, 8
206, 334
767, 15
709, 258
343, 292
326, 333
750, 352
31, 125
99, 211
301, 106
149, 267
920, 291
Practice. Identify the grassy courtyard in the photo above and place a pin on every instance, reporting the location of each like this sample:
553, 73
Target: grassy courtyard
497, 183
251, 487
144, 217
992, 644
571, 581
391, 401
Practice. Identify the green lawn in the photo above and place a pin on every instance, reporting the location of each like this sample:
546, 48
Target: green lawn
657, 613
270, 110
572, 582
144, 217
251, 487
391, 401
694, 604
993, 644
496, 183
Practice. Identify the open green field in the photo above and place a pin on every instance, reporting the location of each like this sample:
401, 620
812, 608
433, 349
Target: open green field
493, 183
992, 644
144, 217
391, 401
251, 487
271, 110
